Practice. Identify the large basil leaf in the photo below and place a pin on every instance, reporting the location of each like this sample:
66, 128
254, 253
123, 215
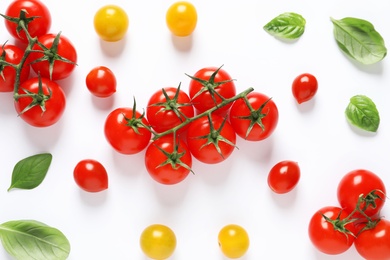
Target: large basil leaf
287, 25
30, 239
362, 113
359, 40
29, 172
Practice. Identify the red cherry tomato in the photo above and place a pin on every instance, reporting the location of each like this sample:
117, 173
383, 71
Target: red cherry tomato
361, 182
284, 176
90, 175
64, 48
256, 124
101, 82
304, 87
327, 237
37, 27
125, 130
53, 105
11, 54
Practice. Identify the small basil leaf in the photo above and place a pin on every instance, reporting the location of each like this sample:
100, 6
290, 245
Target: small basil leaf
359, 40
362, 113
30, 172
287, 25
30, 239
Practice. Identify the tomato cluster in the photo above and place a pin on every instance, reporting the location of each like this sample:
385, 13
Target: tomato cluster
356, 221
39, 99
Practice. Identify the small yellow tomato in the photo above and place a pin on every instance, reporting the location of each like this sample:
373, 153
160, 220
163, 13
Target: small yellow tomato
233, 241
181, 18
111, 23
158, 242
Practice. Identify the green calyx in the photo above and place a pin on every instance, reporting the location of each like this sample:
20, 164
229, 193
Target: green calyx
22, 21
173, 158
134, 122
340, 224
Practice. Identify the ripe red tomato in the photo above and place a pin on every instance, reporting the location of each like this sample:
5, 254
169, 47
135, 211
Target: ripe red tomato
211, 140
256, 123
90, 175
37, 27
331, 238
164, 163
207, 87
304, 87
168, 108
63, 48
125, 131
49, 104
11, 54
101, 82
374, 243
284, 176
361, 182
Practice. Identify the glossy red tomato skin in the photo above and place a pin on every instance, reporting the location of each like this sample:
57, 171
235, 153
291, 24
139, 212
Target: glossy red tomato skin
14, 55
360, 182
55, 106
91, 176
154, 158
269, 121
205, 101
208, 153
65, 49
284, 176
37, 27
121, 136
304, 87
374, 244
101, 82
325, 237
162, 119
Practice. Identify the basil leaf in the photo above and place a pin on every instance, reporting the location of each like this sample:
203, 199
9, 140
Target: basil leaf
362, 113
30, 239
358, 39
30, 172
287, 25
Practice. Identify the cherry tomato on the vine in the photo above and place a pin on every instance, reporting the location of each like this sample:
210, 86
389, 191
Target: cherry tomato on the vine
361, 182
158, 241
304, 87
111, 23
168, 108
257, 121
37, 27
181, 18
101, 82
126, 130
208, 87
47, 106
233, 241
11, 54
90, 175
63, 48
374, 243
284, 176
211, 139
168, 160
328, 233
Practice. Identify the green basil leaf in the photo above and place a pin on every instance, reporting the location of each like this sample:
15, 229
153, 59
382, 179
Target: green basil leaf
30, 239
362, 113
287, 25
30, 172
358, 39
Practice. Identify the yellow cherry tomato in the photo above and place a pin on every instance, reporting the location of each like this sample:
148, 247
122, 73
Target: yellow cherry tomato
158, 242
233, 241
181, 18
111, 23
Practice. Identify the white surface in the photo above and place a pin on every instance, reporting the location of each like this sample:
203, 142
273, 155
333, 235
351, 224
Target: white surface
315, 134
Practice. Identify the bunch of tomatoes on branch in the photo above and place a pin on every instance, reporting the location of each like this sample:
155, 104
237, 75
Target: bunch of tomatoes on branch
39, 99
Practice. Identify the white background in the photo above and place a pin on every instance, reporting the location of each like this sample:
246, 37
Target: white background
107, 225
